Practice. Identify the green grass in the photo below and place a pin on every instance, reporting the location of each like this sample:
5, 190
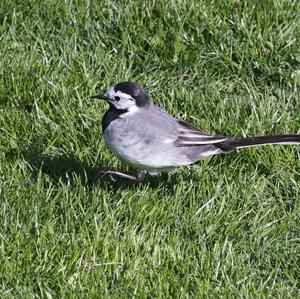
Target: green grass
226, 227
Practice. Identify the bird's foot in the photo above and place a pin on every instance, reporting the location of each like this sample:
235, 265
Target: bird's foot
113, 174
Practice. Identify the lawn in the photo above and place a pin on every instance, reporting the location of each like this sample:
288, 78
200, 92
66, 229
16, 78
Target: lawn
226, 227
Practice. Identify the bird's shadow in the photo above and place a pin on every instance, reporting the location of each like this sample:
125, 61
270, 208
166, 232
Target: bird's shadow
59, 168
68, 169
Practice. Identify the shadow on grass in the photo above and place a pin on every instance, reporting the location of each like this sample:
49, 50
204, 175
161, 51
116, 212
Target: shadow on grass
68, 169
60, 168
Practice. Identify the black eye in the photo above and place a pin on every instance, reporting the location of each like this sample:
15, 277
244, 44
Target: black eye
117, 99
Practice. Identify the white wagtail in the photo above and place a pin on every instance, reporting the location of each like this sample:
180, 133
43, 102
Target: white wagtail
148, 138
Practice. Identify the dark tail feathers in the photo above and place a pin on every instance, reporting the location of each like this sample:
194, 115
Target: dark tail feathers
235, 143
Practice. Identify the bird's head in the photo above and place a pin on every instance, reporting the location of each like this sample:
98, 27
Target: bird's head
126, 96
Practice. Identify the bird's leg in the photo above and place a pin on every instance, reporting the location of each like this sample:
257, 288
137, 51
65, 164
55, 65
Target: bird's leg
165, 176
110, 173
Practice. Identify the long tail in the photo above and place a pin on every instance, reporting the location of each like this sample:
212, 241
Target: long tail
235, 143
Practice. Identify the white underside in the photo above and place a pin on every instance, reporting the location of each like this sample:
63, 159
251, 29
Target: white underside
155, 157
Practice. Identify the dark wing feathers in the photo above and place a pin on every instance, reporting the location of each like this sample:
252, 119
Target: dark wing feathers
189, 135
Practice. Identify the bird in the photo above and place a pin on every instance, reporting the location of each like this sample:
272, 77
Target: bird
148, 138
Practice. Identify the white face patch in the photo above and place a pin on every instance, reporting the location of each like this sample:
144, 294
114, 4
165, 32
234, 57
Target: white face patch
131, 110
121, 100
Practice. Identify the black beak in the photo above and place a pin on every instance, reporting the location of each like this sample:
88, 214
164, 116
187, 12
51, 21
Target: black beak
101, 97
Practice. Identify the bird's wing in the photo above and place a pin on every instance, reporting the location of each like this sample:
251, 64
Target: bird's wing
189, 135
165, 126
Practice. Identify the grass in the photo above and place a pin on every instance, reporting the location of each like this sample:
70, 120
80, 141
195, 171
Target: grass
226, 227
